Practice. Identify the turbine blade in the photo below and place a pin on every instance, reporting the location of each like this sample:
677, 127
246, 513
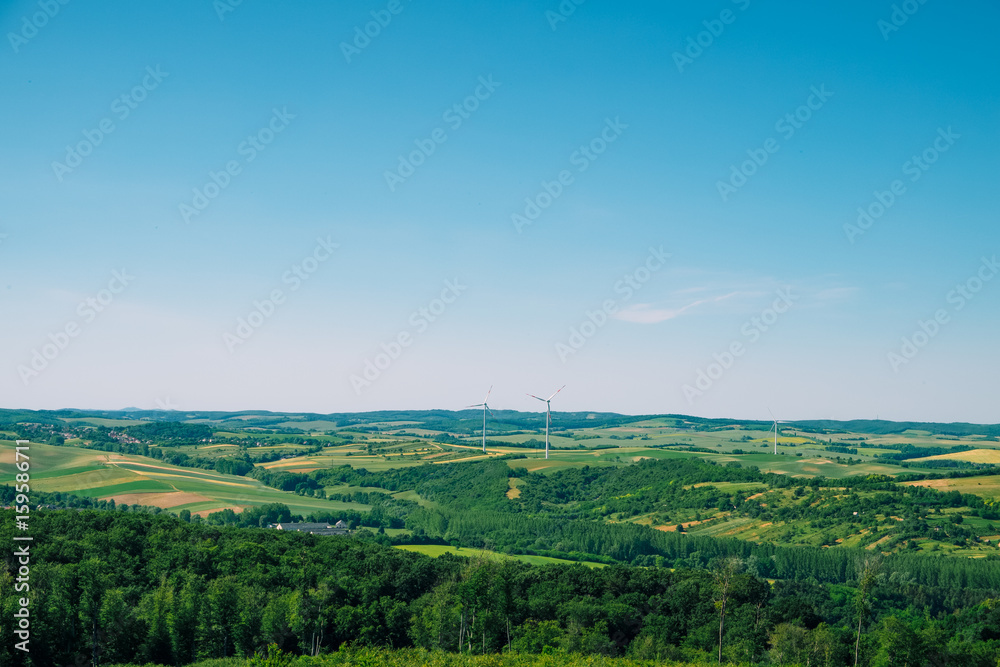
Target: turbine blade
477, 405
556, 392
488, 394
533, 396
770, 413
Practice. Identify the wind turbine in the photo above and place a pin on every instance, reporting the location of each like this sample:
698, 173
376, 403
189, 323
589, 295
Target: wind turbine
775, 427
486, 408
548, 415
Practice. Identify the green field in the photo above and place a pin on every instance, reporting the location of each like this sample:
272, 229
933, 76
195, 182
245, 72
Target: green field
380, 443
144, 481
435, 550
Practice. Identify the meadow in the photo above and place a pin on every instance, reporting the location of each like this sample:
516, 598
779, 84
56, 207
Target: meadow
437, 550
138, 480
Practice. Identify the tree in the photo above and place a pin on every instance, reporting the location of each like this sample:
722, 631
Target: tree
154, 609
184, 620
122, 634
724, 573
869, 573
277, 620
93, 575
789, 644
220, 617
898, 645
535, 636
825, 649
437, 623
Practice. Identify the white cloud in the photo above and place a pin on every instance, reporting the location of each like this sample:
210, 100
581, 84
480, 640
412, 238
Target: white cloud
644, 313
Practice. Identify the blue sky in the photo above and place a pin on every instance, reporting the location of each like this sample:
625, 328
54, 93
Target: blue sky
641, 137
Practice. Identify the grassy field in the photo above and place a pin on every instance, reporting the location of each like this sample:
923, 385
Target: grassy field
145, 481
987, 486
991, 456
435, 550
406, 443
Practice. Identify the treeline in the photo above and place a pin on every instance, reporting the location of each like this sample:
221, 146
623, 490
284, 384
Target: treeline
261, 517
882, 427
137, 588
457, 485
231, 465
62, 500
164, 432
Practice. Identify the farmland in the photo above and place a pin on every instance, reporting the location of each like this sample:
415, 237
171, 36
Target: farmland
436, 520
142, 481
207, 463
436, 550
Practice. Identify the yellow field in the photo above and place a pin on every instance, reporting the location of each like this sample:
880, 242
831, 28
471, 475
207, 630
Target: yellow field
987, 486
972, 456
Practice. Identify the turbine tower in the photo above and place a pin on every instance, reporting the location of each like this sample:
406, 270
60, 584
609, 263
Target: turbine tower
548, 415
775, 427
486, 408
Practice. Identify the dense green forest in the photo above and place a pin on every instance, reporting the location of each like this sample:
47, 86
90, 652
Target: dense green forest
135, 587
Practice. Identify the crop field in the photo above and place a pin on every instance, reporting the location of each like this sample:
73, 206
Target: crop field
435, 550
396, 444
991, 456
987, 486
798, 455
140, 480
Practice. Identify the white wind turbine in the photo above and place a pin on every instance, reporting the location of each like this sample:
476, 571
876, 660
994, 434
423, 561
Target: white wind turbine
486, 408
548, 415
775, 427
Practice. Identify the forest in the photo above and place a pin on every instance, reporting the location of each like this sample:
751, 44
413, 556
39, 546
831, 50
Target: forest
125, 587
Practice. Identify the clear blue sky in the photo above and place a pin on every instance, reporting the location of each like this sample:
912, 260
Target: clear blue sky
668, 128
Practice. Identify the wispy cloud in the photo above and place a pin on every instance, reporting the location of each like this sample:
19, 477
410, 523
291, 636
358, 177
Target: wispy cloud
645, 313
836, 293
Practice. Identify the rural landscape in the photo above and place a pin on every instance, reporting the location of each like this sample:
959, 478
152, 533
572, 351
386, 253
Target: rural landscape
169, 537
287, 290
